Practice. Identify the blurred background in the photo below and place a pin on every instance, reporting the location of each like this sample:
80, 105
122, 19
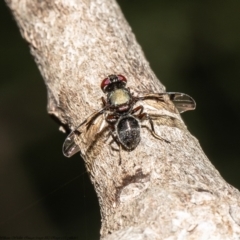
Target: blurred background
192, 46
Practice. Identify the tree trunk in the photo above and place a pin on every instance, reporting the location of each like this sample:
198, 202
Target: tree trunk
160, 190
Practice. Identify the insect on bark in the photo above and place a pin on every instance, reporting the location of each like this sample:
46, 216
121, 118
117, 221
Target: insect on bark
123, 118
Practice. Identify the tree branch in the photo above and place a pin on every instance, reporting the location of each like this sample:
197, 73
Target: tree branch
160, 190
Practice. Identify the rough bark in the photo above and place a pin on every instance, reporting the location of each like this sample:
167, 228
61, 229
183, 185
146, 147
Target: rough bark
160, 190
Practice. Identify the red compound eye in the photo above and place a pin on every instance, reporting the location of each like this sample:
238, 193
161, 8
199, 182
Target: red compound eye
105, 83
122, 78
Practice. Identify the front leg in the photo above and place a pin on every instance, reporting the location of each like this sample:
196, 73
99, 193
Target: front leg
104, 101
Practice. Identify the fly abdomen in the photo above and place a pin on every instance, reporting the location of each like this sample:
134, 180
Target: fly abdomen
128, 132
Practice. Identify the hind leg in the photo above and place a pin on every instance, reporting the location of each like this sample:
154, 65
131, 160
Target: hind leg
141, 116
112, 132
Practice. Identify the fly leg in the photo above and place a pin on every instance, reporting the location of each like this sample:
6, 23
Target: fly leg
115, 139
112, 119
138, 108
120, 155
103, 101
145, 115
142, 115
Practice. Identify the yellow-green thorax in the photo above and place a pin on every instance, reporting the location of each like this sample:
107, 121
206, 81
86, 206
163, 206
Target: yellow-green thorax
119, 97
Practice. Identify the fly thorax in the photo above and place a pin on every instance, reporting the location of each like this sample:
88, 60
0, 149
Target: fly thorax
119, 97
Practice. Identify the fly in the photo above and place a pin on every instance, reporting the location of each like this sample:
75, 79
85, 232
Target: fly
122, 118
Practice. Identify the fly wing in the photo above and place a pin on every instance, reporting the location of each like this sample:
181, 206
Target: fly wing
164, 109
85, 134
181, 101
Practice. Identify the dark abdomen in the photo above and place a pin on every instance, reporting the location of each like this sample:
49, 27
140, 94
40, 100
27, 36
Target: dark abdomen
128, 132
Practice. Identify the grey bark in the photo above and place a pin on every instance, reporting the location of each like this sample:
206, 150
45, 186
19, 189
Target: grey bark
160, 190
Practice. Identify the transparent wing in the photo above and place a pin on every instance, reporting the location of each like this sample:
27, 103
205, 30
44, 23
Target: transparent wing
84, 135
163, 109
181, 101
